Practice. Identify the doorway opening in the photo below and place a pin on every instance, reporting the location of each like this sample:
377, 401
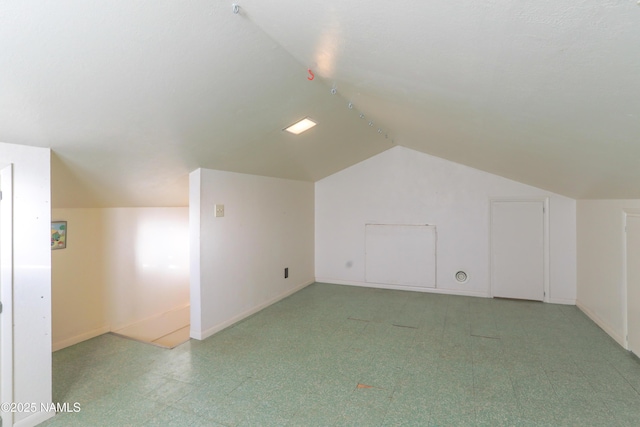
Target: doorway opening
124, 271
147, 274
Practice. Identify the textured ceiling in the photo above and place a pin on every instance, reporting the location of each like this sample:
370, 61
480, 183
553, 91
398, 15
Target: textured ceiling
132, 96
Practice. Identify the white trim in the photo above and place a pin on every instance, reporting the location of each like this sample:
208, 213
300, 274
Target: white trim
35, 419
195, 248
402, 287
223, 325
563, 301
545, 244
627, 212
601, 323
67, 342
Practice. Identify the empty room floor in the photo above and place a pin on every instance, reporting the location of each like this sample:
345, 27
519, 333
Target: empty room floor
347, 356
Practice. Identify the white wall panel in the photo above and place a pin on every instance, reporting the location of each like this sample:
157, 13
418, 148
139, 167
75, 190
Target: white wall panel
78, 287
601, 281
403, 186
238, 260
32, 276
147, 262
401, 255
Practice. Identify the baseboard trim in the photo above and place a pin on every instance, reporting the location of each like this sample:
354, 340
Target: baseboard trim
223, 325
79, 338
402, 288
563, 301
602, 324
35, 419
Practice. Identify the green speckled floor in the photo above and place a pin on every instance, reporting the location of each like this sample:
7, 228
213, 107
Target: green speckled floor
430, 360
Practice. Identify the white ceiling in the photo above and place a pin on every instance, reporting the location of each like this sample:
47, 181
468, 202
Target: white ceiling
133, 95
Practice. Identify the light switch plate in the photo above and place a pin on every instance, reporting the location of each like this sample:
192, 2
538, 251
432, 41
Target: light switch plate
219, 211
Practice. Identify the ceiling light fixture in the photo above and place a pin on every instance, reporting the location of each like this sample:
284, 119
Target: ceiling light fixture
300, 126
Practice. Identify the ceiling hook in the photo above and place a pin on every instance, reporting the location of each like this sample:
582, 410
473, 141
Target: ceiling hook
236, 8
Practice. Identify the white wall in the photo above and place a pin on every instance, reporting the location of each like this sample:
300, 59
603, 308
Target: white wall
147, 262
403, 186
601, 287
78, 295
121, 265
237, 261
32, 277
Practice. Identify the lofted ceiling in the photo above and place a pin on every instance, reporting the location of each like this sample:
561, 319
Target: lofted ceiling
133, 95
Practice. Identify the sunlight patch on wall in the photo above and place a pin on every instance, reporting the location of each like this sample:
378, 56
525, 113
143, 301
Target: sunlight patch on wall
162, 248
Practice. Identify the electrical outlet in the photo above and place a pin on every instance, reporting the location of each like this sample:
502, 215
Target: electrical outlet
219, 211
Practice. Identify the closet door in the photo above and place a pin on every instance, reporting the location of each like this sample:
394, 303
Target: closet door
633, 283
517, 249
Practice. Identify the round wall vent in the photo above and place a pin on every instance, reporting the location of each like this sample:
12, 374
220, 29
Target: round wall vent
461, 277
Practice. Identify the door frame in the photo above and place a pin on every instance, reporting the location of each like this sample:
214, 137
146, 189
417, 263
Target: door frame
6, 289
545, 239
625, 280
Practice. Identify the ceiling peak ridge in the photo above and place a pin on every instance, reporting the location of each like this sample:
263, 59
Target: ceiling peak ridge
379, 129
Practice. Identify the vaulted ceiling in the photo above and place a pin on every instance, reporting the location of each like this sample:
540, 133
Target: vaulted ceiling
133, 95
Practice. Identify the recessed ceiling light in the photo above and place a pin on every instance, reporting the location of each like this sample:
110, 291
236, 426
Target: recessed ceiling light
298, 127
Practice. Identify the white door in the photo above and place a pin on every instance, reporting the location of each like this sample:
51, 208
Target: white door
2, 285
517, 249
633, 283
6, 290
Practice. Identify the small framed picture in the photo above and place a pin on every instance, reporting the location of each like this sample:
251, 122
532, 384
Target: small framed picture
58, 234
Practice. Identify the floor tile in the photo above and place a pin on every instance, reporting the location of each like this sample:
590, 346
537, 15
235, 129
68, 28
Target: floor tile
337, 355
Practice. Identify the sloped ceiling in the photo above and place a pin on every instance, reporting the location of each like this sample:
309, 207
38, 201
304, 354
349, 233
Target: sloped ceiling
132, 96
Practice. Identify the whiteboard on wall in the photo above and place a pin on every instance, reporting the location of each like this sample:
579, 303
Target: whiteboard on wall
400, 255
